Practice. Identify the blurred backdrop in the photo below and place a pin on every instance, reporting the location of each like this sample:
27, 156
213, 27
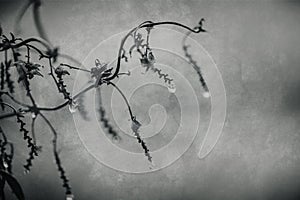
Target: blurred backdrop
256, 47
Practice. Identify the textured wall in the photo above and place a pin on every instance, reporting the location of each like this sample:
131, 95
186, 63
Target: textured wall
256, 47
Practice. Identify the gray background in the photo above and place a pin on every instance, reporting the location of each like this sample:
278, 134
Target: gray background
256, 47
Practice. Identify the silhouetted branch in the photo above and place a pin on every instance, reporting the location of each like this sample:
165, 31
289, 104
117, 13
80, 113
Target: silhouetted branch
99, 74
61, 170
125, 99
190, 58
104, 119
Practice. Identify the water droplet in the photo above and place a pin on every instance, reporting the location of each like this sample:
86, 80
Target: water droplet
5, 165
206, 94
69, 197
73, 107
33, 115
172, 87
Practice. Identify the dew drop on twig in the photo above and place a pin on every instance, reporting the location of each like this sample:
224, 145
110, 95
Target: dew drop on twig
69, 197
73, 107
206, 94
172, 88
5, 165
33, 115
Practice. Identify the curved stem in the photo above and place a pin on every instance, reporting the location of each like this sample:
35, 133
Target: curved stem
67, 102
84, 91
16, 101
42, 55
194, 64
8, 105
145, 25
24, 42
125, 99
56, 156
77, 68
54, 108
70, 58
13, 114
